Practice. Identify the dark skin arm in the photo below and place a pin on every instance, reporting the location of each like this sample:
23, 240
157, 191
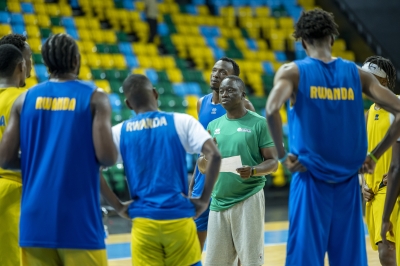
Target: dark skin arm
392, 192
285, 88
106, 152
120, 207
9, 146
368, 194
248, 105
211, 151
388, 101
269, 165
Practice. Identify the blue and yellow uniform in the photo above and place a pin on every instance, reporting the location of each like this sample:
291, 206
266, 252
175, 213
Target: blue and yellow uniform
327, 133
208, 112
61, 220
378, 123
153, 148
10, 190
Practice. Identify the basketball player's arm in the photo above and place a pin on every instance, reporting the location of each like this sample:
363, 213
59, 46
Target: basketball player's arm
393, 190
106, 152
388, 101
9, 146
248, 105
120, 207
269, 165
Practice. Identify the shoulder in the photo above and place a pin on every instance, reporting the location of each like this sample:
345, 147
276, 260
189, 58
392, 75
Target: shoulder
289, 70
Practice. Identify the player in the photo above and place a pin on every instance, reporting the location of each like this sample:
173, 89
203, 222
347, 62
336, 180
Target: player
152, 147
12, 76
374, 191
237, 211
63, 129
208, 109
328, 145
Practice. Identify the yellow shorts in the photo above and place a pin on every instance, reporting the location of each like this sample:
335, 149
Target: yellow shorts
164, 242
10, 205
373, 217
65, 257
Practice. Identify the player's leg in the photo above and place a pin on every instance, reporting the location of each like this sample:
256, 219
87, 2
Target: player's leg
10, 205
247, 219
387, 257
310, 213
180, 242
40, 257
146, 246
73, 257
220, 248
347, 236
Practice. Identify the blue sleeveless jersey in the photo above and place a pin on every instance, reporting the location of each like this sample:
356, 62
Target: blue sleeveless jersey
155, 165
208, 112
60, 174
326, 124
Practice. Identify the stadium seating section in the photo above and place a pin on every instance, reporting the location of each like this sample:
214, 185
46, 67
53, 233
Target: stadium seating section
112, 38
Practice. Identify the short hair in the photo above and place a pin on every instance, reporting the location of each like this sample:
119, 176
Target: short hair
59, 52
134, 88
242, 87
236, 69
315, 24
10, 57
387, 66
17, 40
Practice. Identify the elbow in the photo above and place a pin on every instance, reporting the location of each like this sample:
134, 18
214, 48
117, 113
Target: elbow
5, 162
271, 109
108, 160
216, 157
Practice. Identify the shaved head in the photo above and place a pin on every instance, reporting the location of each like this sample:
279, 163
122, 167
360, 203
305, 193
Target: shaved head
138, 90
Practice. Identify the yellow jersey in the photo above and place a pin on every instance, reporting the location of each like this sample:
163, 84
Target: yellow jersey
378, 123
7, 99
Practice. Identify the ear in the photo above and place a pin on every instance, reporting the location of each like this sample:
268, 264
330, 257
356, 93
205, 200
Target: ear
155, 93
128, 104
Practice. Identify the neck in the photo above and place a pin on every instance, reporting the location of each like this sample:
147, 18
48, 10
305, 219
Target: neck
144, 109
64, 77
236, 112
322, 53
8, 82
215, 97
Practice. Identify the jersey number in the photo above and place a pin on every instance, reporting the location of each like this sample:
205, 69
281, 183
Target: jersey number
2, 121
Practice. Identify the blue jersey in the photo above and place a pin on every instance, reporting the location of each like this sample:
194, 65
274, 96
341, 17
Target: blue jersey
61, 184
326, 123
208, 112
153, 148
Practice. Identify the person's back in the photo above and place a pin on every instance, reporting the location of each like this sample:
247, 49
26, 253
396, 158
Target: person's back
328, 106
58, 157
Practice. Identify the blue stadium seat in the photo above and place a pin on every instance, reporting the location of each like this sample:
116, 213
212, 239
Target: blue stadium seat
152, 75
191, 9
162, 29
19, 29
17, 19
267, 66
68, 22
179, 89
115, 102
273, 3
125, 48
41, 72
211, 42
280, 56
142, 16
239, 3
218, 53
74, 4
131, 61
43, 40
129, 5
256, 3
198, 2
4, 17
251, 44
73, 32
295, 12
27, 8
193, 88
209, 31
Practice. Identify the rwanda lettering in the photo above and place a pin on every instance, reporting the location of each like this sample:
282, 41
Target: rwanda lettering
146, 123
2, 121
55, 104
322, 93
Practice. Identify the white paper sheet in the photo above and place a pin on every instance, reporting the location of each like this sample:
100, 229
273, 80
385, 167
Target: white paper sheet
230, 164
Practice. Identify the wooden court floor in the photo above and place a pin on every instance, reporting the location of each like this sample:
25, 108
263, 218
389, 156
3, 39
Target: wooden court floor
274, 254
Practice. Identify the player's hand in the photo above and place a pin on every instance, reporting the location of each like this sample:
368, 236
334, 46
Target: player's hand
384, 180
244, 171
123, 210
293, 164
201, 206
387, 227
368, 166
368, 194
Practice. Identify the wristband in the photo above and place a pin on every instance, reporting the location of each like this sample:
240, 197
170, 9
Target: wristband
283, 159
253, 171
373, 157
